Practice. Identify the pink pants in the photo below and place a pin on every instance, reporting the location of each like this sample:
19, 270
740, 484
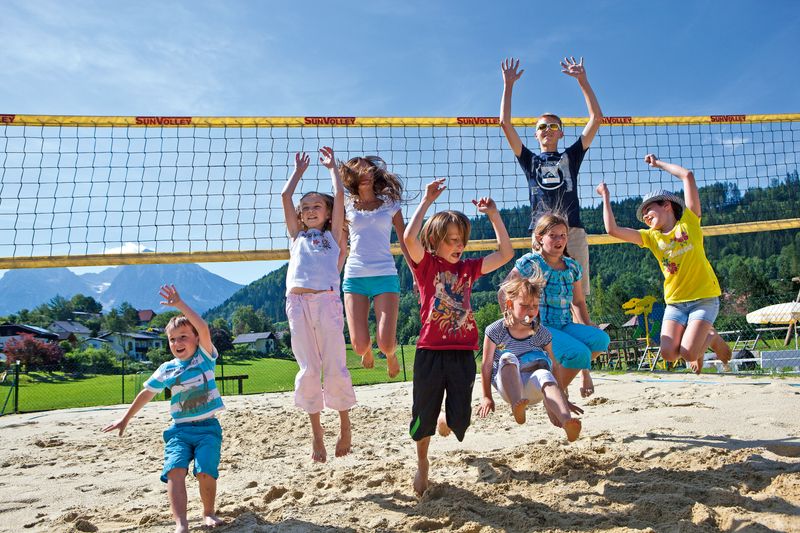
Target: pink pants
316, 323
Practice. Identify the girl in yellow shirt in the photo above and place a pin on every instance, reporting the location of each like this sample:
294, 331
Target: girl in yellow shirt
691, 289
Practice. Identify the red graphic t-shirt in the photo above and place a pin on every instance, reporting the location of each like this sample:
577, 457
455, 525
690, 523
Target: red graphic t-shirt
445, 311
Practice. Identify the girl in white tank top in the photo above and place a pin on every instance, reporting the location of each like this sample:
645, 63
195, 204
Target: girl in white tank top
313, 305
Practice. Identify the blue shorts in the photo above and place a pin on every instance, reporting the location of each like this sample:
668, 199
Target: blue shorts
703, 309
573, 344
201, 441
371, 286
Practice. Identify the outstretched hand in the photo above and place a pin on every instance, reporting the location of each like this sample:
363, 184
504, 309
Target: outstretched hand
651, 160
602, 190
170, 295
120, 424
434, 189
326, 158
573, 68
510, 73
301, 162
487, 405
485, 205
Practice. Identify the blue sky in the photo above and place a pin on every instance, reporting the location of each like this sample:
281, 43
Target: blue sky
411, 58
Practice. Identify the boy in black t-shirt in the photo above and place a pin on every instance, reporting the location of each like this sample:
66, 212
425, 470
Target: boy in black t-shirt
552, 175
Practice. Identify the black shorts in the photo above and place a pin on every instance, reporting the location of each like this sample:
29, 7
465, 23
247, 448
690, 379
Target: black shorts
437, 372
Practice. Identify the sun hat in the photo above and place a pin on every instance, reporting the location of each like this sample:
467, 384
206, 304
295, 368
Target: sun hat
657, 196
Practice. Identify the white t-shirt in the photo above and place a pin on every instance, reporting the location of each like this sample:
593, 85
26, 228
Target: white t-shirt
370, 232
313, 262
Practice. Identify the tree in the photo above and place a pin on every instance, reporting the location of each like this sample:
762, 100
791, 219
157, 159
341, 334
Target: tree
221, 338
246, 319
32, 352
129, 314
161, 320
60, 308
86, 304
485, 316
159, 356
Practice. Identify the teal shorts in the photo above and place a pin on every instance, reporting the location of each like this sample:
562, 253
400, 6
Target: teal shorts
201, 441
371, 286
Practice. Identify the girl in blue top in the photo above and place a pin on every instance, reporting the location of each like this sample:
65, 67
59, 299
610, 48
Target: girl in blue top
574, 344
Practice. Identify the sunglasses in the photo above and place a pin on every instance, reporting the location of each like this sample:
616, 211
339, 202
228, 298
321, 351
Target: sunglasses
552, 126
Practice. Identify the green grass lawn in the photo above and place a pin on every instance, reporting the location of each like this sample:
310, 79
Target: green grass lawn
41, 391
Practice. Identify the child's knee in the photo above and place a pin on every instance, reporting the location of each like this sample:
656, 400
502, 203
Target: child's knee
202, 477
670, 354
177, 474
361, 344
387, 346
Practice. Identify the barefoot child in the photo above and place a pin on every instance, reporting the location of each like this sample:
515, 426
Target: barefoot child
372, 209
445, 359
518, 359
575, 344
313, 305
691, 289
196, 433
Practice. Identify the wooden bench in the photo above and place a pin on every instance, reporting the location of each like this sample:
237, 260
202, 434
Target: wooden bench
240, 379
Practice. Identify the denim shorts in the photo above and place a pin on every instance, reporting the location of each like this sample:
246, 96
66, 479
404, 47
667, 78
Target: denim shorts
201, 441
372, 286
684, 312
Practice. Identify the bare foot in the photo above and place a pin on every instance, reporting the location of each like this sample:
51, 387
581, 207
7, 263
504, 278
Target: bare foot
343, 442
724, 353
553, 418
211, 520
421, 478
441, 426
318, 452
519, 410
393, 365
181, 528
588, 385
368, 360
573, 429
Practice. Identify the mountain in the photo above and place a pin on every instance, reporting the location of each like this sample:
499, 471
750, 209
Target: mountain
135, 284
139, 284
27, 288
266, 293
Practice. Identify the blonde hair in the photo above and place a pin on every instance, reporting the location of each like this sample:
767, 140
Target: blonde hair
178, 322
384, 183
435, 229
327, 198
551, 115
522, 288
545, 223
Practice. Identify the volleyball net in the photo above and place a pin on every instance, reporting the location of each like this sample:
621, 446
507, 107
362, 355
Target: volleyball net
154, 189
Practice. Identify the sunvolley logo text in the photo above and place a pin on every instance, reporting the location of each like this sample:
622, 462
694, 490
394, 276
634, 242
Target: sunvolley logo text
7, 119
163, 121
330, 121
477, 121
728, 118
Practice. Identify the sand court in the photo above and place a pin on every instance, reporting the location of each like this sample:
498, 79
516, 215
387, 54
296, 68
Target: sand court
666, 452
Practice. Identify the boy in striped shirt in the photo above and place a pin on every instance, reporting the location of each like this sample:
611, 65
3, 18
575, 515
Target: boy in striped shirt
196, 433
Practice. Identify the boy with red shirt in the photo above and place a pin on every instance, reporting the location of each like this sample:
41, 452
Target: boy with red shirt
445, 359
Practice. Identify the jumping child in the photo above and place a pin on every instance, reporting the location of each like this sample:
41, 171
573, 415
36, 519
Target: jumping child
518, 359
313, 305
691, 289
372, 208
575, 344
445, 359
552, 175
195, 434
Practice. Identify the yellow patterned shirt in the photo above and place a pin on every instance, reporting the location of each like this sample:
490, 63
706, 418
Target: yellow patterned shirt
687, 273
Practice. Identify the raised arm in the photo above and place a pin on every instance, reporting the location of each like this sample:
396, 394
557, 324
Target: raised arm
328, 160
400, 229
573, 68
487, 402
301, 161
510, 76
690, 193
505, 251
626, 234
411, 234
172, 298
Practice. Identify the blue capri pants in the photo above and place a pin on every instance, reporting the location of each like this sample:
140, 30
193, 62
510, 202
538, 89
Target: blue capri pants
573, 344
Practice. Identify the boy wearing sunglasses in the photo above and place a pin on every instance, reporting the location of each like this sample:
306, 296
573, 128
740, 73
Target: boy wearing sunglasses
552, 175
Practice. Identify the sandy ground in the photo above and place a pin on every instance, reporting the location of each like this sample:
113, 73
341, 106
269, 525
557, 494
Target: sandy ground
657, 453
